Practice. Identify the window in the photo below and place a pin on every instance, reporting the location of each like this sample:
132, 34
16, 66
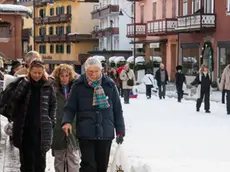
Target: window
68, 29
59, 49
51, 11
209, 6
51, 49
163, 9
51, 30
68, 9
185, 7
191, 59
142, 13
174, 10
42, 31
57, 30
58, 11
68, 48
62, 10
42, 49
62, 30
223, 58
42, 13
154, 10
195, 5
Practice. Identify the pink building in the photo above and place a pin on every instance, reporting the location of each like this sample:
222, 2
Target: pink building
155, 31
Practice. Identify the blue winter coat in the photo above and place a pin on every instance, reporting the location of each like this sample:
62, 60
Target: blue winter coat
91, 122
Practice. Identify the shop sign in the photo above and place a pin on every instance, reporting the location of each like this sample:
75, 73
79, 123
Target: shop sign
154, 45
139, 45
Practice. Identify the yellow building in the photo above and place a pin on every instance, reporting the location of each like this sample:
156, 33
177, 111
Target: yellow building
63, 31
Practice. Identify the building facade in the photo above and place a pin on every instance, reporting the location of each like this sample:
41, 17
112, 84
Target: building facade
203, 28
155, 31
111, 28
11, 23
63, 31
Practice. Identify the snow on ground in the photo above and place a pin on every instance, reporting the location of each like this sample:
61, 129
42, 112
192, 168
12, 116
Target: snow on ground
167, 136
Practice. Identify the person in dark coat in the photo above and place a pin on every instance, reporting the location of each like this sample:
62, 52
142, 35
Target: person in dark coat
95, 102
33, 112
203, 83
180, 80
66, 156
162, 79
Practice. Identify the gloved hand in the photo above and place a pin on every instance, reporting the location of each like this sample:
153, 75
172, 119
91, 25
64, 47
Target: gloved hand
119, 138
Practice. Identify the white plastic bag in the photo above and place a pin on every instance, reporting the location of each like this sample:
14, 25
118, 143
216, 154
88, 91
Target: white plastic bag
8, 128
119, 163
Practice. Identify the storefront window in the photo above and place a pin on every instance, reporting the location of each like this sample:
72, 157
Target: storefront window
190, 60
223, 59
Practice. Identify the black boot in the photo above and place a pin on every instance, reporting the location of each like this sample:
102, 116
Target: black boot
207, 111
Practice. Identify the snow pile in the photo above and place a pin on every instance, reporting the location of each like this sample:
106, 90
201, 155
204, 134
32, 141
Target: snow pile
189, 59
119, 59
156, 59
15, 9
112, 59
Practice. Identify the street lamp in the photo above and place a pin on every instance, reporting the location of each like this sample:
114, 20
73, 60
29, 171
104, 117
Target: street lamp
134, 28
111, 34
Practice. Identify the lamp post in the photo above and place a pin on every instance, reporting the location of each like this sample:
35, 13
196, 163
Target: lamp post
111, 34
134, 28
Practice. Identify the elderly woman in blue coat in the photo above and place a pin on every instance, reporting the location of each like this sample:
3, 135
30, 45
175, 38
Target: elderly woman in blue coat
95, 102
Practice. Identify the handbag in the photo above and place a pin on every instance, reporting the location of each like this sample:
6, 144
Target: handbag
130, 82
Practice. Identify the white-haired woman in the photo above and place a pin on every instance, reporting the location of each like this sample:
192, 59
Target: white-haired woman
95, 102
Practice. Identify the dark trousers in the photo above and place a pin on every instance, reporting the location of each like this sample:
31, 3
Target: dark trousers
223, 96
94, 155
161, 90
32, 158
149, 90
180, 93
228, 101
126, 95
206, 96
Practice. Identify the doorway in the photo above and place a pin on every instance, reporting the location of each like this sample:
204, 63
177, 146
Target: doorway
207, 56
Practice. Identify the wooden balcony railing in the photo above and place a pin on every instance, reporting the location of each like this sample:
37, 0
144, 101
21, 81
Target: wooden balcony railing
161, 27
196, 22
140, 30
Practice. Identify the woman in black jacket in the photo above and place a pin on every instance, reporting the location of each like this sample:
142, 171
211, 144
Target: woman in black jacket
203, 82
95, 102
34, 116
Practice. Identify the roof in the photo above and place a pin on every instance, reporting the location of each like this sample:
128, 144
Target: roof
15, 9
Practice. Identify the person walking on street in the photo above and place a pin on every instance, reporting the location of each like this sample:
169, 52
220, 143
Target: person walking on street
148, 80
180, 80
162, 79
203, 83
66, 155
33, 112
127, 77
95, 102
225, 86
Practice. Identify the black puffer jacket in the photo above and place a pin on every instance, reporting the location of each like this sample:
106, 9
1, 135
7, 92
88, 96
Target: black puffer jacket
47, 112
91, 122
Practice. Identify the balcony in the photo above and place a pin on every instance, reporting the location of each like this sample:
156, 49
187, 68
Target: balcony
42, 39
140, 30
54, 38
196, 22
111, 31
161, 27
105, 11
65, 18
54, 19
72, 37
26, 33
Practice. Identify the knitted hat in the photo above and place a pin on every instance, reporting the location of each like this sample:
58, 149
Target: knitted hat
179, 67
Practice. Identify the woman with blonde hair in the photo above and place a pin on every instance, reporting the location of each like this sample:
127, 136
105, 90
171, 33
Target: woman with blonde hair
33, 112
66, 154
203, 83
